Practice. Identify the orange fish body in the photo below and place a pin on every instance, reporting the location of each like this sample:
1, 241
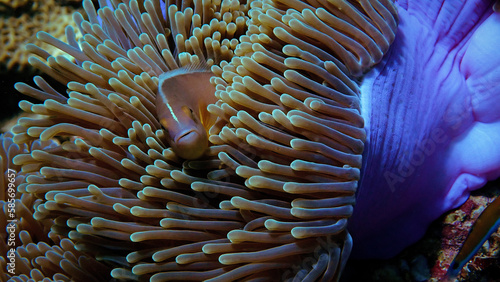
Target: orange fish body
181, 105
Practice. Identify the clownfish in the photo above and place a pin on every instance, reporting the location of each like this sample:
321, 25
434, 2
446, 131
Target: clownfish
487, 223
181, 105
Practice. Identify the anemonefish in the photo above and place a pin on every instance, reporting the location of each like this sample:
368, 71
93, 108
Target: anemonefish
181, 105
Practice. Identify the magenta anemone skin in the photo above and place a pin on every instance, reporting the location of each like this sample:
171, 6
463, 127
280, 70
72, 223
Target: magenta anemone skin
432, 115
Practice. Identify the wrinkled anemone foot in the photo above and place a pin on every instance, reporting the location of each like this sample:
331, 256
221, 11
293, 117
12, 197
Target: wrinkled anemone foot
433, 123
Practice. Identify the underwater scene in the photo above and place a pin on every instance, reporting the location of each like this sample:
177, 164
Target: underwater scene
250, 140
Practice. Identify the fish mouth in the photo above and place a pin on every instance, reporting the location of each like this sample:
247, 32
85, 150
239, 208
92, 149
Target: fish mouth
185, 134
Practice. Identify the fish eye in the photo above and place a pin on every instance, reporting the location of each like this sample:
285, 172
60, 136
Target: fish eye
189, 112
194, 117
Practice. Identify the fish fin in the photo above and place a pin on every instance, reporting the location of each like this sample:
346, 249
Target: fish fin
199, 67
207, 119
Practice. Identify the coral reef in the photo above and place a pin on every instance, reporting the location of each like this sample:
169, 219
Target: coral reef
456, 225
9, 5
19, 23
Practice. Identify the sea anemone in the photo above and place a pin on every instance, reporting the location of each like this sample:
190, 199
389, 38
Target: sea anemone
277, 183
432, 120
31, 251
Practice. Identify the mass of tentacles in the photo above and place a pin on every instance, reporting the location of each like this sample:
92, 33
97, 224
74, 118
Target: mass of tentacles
102, 194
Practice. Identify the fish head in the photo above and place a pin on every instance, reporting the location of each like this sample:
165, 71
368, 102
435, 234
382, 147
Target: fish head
185, 132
